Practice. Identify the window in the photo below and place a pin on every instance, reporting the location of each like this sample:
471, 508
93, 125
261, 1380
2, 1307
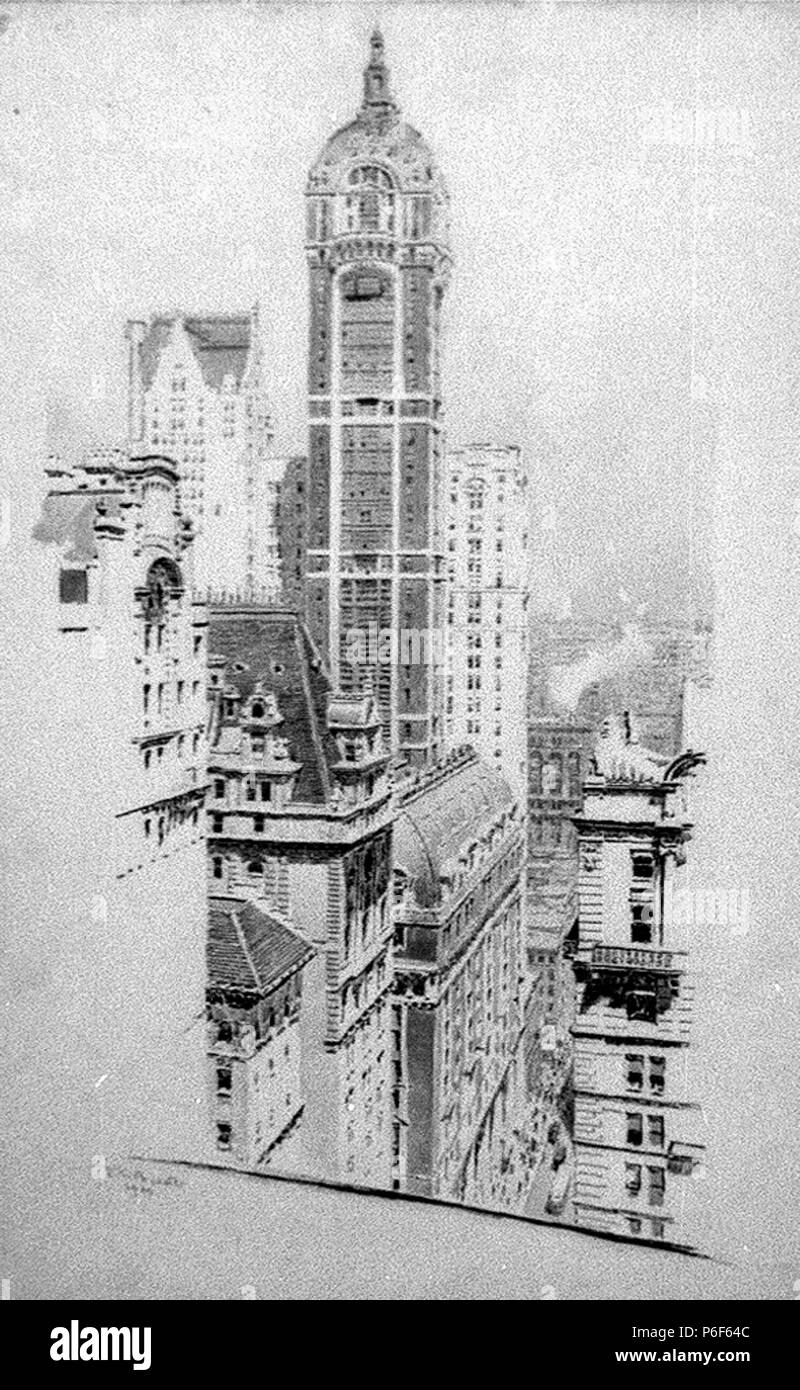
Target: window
635, 1071
224, 1032
266, 791
73, 586
635, 1225
658, 1068
635, 1129
642, 866
633, 1178
255, 868
216, 866
216, 825
658, 1228
655, 1131
223, 1136
224, 1080
641, 923
219, 788
258, 709
258, 825
657, 1185
641, 1005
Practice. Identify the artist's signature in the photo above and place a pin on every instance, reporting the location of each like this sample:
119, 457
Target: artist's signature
144, 1184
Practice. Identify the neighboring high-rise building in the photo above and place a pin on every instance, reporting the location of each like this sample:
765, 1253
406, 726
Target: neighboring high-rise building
117, 785
300, 822
377, 249
638, 1130
254, 994
292, 527
487, 508
197, 391
462, 988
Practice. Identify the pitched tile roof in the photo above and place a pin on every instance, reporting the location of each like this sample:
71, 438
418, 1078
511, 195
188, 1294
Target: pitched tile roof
248, 949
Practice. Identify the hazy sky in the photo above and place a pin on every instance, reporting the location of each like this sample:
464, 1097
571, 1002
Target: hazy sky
155, 156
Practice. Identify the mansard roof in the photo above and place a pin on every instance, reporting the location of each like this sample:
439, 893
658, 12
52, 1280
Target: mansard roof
442, 813
271, 649
249, 950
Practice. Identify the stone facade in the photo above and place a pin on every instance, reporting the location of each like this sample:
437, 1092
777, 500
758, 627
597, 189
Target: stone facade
123, 675
300, 821
638, 1130
254, 994
462, 988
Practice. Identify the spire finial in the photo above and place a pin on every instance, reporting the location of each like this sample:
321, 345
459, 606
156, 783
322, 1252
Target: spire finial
377, 94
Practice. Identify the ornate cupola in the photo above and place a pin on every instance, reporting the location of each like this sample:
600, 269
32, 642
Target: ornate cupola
378, 99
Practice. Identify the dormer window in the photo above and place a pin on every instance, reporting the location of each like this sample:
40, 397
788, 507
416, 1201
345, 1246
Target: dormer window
257, 709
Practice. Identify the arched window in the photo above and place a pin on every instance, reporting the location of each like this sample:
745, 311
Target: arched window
369, 203
258, 709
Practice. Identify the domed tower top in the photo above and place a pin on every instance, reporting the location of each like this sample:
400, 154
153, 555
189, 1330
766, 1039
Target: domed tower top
379, 135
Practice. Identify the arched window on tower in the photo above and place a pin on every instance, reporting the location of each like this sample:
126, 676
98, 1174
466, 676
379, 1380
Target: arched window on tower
369, 202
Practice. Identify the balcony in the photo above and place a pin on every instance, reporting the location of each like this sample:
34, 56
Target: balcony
635, 958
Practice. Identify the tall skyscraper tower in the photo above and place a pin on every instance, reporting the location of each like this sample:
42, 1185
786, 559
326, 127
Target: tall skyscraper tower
377, 233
